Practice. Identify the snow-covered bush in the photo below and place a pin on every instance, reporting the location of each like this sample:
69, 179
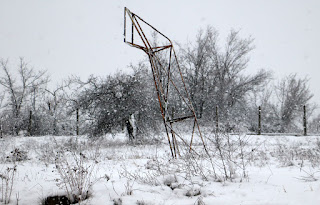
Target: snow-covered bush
17, 155
194, 191
147, 177
227, 157
117, 201
199, 201
296, 153
143, 202
76, 175
170, 181
46, 153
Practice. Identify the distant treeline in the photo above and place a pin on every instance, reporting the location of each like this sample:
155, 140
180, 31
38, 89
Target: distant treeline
214, 78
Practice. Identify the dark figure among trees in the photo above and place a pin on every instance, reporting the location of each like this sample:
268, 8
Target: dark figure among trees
129, 129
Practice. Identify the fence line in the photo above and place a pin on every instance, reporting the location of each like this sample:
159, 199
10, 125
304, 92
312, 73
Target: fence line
260, 124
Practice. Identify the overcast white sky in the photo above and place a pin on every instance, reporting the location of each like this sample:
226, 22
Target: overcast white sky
86, 37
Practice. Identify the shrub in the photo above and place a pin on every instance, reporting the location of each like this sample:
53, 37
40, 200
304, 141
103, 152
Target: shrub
17, 155
76, 175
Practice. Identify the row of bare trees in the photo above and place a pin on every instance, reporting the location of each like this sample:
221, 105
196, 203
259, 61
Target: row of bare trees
95, 106
216, 78
283, 104
29, 106
214, 74
19, 91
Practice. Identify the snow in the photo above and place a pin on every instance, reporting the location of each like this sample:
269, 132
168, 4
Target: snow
279, 172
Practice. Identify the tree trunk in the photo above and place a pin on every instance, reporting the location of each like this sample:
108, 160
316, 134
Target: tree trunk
0, 129
77, 125
217, 119
30, 124
129, 129
304, 121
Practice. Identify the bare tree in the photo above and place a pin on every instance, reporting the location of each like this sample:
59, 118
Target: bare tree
215, 76
20, 88
2, 96
262, 98
196, 67
292, 93
314, 125
55, 105
231, 84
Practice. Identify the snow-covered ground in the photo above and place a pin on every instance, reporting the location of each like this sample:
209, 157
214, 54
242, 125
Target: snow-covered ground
279, 169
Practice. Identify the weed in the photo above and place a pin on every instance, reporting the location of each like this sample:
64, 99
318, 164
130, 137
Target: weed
7, 179
128, 188
76, 176
147, 177
199, 201
47, 153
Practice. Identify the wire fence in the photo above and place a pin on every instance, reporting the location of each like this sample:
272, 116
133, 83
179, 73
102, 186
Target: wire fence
260, 126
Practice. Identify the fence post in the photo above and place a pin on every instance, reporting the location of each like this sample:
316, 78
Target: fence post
304, 121
259, 120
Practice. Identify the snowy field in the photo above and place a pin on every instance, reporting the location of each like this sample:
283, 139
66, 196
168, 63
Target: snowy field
273, 170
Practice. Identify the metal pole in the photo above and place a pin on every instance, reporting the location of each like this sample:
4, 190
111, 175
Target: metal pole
124, 25
174, 143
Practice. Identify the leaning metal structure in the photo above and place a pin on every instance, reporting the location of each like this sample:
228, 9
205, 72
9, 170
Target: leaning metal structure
168, 80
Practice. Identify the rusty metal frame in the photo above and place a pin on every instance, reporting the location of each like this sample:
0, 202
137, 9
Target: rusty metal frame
163, 90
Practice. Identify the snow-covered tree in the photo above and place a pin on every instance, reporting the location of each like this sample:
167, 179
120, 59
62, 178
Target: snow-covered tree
292, 94
111, 102
215, 76
22, 93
